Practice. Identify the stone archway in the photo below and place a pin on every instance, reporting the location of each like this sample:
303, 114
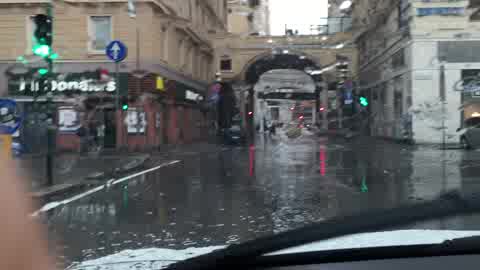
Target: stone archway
280, 60
304, 59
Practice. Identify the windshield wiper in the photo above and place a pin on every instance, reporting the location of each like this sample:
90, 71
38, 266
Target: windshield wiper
447, 205
458, 246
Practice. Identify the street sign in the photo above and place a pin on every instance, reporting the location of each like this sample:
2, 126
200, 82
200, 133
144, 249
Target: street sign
116, 51
348, 85
10, 121
348, 98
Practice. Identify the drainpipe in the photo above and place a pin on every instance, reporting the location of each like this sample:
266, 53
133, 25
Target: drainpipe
442, 95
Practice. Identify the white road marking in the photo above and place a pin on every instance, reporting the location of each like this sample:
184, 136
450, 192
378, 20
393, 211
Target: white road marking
108, 184
144, 172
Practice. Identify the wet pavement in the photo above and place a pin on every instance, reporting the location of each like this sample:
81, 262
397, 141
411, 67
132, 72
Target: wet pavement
222, 195
70, 167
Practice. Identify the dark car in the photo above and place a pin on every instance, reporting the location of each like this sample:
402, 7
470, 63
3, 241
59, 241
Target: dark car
470, 134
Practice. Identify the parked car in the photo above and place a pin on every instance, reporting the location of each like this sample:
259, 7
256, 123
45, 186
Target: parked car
470, 133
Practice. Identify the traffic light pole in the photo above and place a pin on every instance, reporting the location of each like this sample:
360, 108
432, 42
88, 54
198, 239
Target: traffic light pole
50, 136
50, 126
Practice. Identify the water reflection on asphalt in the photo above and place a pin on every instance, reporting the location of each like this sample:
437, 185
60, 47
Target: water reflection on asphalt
224, 195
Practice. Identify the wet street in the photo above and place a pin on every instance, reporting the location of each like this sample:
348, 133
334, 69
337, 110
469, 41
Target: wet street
221, 195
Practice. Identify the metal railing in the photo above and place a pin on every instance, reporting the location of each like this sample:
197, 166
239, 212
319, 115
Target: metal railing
334, 25
327, 26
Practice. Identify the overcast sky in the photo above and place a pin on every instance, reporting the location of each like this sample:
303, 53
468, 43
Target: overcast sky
297, 14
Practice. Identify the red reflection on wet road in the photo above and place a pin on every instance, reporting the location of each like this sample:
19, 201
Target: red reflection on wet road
251, 158
323, 159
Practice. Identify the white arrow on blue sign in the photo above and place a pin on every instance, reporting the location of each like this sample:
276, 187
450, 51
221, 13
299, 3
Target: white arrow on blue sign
348, 98
116, 51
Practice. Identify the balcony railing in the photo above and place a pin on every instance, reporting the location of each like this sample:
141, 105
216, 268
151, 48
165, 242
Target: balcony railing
327, 26
333, 25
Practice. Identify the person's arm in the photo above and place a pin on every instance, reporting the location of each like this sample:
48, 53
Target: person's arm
23, 244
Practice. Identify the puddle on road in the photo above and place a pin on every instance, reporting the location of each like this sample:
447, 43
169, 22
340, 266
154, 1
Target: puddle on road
232, 196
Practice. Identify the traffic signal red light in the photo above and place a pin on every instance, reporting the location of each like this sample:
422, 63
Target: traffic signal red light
322, 109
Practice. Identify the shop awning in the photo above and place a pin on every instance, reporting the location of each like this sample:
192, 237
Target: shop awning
170, 74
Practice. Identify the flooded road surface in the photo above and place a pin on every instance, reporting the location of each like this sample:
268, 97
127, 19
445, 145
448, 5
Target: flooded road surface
221, 195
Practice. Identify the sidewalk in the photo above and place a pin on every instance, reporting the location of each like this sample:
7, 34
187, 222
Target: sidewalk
343, 132
75, 170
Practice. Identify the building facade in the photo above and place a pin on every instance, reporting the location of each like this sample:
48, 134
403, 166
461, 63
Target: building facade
249, 17
163, 79
339, 20
413, 59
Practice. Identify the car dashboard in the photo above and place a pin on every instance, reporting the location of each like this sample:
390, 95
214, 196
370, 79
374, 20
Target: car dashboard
464, 262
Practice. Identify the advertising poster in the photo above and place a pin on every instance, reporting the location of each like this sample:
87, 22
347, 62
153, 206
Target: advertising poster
135, 121
68, 120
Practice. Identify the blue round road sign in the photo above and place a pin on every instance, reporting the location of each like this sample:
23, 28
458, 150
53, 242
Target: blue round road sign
116, 51
10, 121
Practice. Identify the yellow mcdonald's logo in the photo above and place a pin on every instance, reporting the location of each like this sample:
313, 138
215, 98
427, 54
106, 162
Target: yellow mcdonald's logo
160, 84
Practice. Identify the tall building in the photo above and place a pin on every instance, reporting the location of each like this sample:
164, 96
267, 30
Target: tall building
249, 17
414, 57
163, 79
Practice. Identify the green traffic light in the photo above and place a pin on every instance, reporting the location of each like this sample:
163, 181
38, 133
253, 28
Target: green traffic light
363, 101
42, 71
41, 50
364, 187
125, 107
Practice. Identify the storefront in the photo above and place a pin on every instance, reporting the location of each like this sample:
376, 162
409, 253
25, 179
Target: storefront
83, 108
69, 102
185, 114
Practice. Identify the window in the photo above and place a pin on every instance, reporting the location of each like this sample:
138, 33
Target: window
254, 3
100, 28
403, 13
475, 16
226, 64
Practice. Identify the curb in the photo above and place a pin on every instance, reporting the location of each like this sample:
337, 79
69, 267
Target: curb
56, 190
133, 165
64, 188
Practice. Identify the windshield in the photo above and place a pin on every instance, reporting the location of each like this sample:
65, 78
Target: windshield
159, 126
